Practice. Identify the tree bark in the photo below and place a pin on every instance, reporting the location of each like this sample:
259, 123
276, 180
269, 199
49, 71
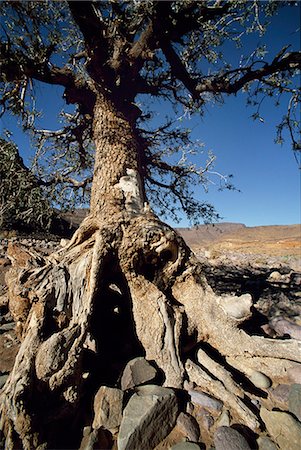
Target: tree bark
126, 285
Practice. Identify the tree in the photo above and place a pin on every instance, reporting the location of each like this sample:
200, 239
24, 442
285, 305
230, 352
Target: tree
24, 205
106, 55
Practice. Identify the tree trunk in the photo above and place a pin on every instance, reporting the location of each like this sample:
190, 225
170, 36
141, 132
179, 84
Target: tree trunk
126, 285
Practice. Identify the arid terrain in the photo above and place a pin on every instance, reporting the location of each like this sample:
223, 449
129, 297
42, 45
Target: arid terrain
275, 240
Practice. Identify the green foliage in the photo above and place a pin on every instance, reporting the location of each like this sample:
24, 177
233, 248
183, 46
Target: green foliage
23, 203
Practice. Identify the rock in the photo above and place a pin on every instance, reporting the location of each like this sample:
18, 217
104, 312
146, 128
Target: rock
186, 446
294, 400
265, 443
226, 438
97, 439
283, 326
294, 374
3, 379
149, 416
279, 395
260, 380
283, 429
137, 371
189, 427
237, 307
202, 399
108, 409
205, 419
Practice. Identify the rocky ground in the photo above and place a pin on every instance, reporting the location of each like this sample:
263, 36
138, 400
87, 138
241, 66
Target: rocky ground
205, 423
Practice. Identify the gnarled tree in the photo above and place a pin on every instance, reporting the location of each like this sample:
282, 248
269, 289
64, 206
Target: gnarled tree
104, 55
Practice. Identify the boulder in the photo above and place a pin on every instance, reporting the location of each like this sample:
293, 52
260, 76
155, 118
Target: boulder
108, 409
137, 371
283, 429
226, 438
148, 418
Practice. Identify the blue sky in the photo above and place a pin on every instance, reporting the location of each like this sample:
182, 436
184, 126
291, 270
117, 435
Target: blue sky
266, 174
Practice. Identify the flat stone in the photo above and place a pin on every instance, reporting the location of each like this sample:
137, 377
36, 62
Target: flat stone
202, 399
265, 443
283, 429
148, 418
189, 426
260, 380
294, 400
108, 409
226, 438
186, 446
137, 371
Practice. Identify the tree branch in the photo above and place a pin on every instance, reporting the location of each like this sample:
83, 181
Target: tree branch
221, 84
15, 66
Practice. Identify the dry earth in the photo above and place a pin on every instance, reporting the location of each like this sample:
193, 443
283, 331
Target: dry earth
258, 245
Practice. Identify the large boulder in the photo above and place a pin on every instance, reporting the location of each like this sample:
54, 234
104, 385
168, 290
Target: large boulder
148, 418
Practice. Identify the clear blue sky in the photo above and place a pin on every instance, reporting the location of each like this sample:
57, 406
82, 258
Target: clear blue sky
266, 174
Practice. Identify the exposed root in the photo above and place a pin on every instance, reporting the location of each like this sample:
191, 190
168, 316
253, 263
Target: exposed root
145, 269
218, 390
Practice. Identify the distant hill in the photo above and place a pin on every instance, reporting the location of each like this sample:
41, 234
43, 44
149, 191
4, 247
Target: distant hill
271, 239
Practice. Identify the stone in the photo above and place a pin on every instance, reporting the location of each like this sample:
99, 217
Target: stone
283, 429
226, 438
189, 426
108, 404
260, 380
202, 399
148, 418
265, 443
137, 371
186, 446
97, 439
294, 400
283, 326
279, 395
